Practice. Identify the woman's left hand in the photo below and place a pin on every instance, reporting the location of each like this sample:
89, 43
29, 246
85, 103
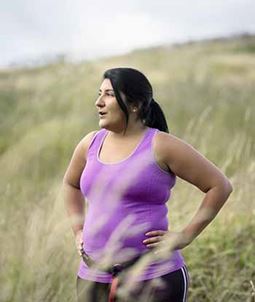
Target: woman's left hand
166, 239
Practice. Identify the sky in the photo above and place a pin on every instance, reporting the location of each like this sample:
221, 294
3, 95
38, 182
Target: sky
36, 30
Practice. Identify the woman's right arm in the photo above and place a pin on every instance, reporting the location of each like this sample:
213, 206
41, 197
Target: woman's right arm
74, 200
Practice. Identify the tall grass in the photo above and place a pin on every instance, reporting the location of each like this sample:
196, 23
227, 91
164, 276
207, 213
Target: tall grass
207, 92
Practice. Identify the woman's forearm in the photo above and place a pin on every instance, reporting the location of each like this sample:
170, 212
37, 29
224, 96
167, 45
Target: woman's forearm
210, 206
74, 203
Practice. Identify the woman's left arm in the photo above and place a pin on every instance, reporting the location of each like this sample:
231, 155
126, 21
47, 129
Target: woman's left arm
188, 164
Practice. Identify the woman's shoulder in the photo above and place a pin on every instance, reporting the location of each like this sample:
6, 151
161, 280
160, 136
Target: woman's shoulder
87, 139
78, 160
163, 139
167, 145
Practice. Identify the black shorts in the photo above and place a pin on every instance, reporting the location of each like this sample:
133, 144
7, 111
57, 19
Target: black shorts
175, 288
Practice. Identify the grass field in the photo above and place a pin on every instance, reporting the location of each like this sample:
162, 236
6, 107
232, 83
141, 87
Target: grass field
206, 90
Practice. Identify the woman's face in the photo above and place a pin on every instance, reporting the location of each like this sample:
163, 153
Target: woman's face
112, 117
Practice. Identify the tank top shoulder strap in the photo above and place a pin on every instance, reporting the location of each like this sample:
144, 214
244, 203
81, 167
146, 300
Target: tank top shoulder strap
146, 143
95, 142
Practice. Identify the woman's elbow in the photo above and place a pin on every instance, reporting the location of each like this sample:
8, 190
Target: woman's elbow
228, 187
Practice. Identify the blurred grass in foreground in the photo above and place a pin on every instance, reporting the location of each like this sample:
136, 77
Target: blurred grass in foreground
206, 90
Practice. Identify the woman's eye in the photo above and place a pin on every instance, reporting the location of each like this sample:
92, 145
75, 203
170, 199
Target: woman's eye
109, 94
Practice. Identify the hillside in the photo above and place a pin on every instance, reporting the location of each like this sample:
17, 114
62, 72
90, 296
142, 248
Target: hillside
206, 90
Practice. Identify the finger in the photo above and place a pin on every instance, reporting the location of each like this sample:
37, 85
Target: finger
79, 244
152, 245
82, 254
155, 233
152, 240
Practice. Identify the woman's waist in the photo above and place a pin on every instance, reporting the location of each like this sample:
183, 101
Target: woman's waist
107, 244
149, 262
118, 234
107, 241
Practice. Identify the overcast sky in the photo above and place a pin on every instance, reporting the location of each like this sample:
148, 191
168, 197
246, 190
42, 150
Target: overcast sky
33, 29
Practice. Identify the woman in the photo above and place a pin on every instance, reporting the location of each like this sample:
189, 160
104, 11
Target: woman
126, 171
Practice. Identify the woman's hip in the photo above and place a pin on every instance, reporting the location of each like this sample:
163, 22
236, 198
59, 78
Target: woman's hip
169, 287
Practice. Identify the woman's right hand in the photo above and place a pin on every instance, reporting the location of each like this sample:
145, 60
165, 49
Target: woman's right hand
79, 246
79, 242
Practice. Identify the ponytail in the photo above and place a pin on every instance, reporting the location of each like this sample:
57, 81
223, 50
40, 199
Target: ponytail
155, 117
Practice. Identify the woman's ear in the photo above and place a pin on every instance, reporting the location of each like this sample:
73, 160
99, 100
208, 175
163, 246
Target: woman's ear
136, 108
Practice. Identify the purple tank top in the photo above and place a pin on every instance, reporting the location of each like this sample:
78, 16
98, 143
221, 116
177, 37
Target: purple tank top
125, 200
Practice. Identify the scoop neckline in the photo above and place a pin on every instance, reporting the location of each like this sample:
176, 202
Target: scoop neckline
125, 159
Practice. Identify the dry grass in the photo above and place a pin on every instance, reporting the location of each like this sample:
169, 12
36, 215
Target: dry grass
207, 94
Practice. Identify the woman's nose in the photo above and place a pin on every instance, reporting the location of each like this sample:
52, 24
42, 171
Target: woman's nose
99, 101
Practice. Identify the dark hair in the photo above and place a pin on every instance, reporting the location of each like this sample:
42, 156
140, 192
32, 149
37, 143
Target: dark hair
138, 91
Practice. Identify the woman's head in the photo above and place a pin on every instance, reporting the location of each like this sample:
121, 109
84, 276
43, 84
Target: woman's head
134, 93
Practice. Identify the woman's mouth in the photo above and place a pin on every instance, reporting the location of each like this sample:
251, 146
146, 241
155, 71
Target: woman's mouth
101, 114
